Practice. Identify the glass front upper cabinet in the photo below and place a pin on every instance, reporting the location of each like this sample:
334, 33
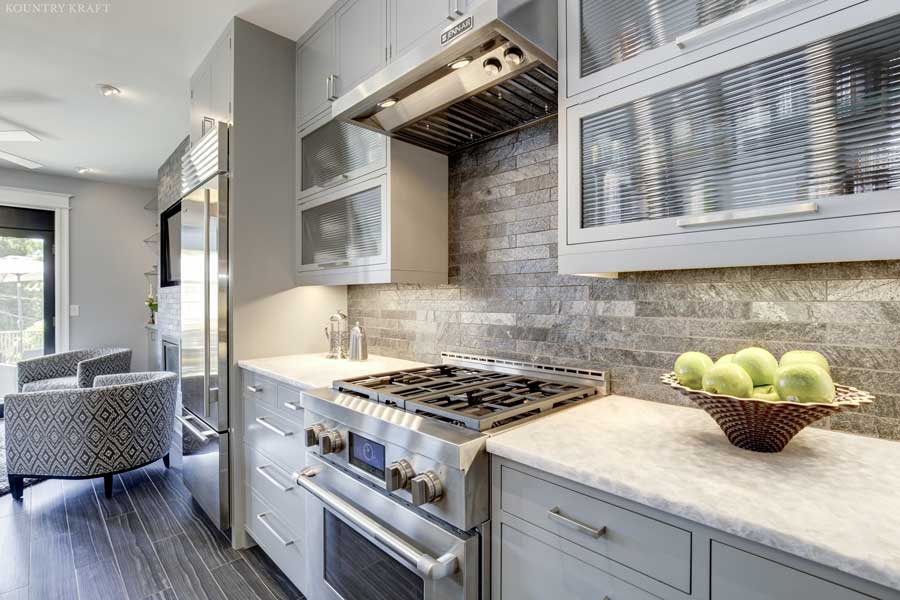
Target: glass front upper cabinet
792, 148
614, 43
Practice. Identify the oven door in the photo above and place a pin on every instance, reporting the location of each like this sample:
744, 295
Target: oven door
375, 547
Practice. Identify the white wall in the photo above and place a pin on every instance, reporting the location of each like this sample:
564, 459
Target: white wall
107, 257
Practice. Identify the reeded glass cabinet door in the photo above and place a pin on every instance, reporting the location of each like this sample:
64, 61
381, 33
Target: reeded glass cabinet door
611, 39
346, 228
336, 153
810, 134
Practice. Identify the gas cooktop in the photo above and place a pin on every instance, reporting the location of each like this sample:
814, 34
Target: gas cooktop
472, 397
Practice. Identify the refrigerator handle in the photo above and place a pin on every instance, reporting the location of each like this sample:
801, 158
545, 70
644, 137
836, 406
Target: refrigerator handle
206, 390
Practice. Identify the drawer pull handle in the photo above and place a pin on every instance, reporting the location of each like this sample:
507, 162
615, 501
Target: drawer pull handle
749, 214
262, 421
293, 405
255, 389
261, 517
748, 16
554, 514
262, 471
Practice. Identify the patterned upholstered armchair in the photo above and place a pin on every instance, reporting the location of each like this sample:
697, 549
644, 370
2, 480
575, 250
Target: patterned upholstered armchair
124, 422
67, 370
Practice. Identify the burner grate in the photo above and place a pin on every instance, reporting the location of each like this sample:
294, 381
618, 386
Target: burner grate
473, 398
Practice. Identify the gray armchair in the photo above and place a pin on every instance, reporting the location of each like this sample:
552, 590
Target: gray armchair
122, 423
68, 370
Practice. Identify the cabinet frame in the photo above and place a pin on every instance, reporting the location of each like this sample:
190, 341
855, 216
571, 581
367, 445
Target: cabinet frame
855, 227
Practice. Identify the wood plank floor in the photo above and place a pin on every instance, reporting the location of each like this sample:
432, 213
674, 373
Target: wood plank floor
65, 541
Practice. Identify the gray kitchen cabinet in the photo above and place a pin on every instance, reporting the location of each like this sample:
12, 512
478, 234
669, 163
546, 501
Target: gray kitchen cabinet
389, 226
761, 156
361, 42
316, 70
555, 538
411, 20
273, 449
211, 94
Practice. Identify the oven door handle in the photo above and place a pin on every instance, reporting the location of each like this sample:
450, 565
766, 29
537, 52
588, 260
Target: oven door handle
426, 565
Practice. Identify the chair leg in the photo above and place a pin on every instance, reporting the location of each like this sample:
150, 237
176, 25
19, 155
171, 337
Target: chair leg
16, 486
166, 460
107, 485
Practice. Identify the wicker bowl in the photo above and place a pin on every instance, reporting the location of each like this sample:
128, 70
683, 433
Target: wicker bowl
763, 425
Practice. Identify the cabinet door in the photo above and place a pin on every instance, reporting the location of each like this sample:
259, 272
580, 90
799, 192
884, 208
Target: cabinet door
336, 153
220, 67
201, 108
530, 569
739, 575
317, 68
411, 20
613, 43
361, 42
799, 140
344, 228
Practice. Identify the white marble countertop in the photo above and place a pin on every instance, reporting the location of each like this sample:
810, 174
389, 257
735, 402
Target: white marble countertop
829, 497
308, 371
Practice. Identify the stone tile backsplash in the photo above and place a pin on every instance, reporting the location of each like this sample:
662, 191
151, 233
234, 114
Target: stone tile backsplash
168, 192
506, 299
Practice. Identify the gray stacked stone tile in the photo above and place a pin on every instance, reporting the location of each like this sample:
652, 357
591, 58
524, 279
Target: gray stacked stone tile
168, 192
506, 299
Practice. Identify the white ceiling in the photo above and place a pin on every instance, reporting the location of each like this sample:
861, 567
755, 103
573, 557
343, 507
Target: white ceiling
51, 64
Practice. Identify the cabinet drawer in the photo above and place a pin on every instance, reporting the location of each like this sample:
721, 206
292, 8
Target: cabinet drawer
739, 575
274, 436
651, 547
532, 570
275, 485
276, 535
612, 44
289, 403
257, 388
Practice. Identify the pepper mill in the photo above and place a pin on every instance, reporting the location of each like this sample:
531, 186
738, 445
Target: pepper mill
359, 347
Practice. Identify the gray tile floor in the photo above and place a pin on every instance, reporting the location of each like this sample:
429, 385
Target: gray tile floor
65, 540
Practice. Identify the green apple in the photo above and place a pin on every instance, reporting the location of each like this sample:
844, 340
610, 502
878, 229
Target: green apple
759, 364
727, 358
804, 383
690, 367
800, 357
765, 392
728, 379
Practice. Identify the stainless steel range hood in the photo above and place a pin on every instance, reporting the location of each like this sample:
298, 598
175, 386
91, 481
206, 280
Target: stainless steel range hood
504, 52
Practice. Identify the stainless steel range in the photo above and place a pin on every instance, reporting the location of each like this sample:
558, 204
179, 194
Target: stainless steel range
399, 479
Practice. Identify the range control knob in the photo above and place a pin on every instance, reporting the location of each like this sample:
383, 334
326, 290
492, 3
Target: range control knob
397, 475
426, 488
312, 434
330, 442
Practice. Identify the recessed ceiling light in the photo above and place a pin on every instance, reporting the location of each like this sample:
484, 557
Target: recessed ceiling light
17, 135
459, 63
108, 90
387, 103
18, 160
84, 170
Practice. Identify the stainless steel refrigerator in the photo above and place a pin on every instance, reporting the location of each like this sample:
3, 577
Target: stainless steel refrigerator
204, 323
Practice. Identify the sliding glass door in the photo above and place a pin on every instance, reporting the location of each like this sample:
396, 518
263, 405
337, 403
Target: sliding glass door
27, 294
